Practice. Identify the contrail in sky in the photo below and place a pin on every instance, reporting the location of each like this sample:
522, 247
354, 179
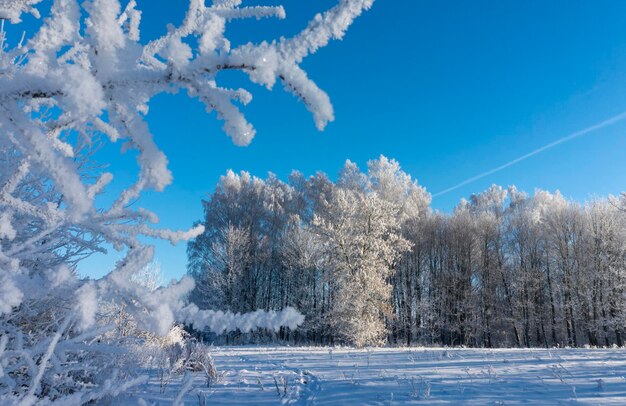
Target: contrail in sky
553, 144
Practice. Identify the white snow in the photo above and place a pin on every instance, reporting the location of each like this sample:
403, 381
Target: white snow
386, 376
10, 295
87, 303
6, 228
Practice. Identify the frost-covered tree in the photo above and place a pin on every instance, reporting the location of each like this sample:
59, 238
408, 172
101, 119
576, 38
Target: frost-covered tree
223, 282
395, 186
305, 279
362, 235
606, 274
360, 227
84, 76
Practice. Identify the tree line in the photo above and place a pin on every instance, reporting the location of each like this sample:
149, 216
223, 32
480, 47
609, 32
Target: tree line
368, 262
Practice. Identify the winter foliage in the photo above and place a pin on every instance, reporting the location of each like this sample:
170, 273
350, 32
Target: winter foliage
84, 78
368, 262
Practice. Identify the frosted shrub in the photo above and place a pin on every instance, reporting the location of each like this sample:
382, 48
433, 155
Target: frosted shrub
197, 358
176, 354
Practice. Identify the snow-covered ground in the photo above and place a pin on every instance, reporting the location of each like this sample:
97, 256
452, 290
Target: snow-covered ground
388, 376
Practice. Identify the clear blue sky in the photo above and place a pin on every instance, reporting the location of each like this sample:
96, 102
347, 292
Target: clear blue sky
448, 88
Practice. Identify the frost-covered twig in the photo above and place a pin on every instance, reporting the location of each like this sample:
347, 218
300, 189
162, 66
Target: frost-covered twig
186, 386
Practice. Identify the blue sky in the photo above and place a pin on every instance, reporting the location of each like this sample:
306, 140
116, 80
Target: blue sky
448, 88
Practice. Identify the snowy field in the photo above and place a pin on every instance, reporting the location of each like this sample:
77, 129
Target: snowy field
388, 376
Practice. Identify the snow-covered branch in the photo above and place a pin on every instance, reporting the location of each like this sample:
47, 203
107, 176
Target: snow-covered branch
84, 78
